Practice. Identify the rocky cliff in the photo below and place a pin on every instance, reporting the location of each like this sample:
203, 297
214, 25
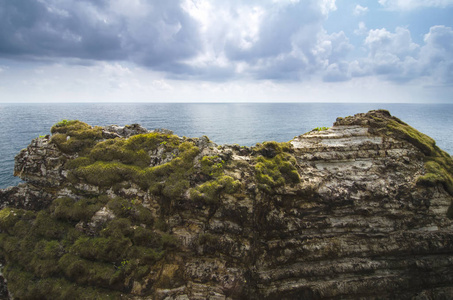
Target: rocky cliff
357, 211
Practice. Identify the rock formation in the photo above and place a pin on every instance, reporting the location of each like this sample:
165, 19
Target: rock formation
357, 211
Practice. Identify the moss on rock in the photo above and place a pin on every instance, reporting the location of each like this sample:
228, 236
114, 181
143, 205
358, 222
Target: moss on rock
46, 245
211, 191
275, 166
75, 136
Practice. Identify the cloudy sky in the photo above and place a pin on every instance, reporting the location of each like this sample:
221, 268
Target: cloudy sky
221, 51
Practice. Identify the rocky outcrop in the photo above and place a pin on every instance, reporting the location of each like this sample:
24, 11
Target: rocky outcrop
356, 211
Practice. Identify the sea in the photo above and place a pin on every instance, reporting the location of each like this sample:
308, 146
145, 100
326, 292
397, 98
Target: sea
224, 123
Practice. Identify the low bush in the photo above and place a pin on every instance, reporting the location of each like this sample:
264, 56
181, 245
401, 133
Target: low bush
71, 210
104, 249
275, 172
42, 246
74, 136
210, 191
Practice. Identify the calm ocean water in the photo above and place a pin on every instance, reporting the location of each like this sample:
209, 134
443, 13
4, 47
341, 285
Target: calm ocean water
243, 124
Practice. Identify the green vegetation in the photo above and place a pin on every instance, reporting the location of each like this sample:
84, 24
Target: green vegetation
320, 128
400, 129
44, 250
212, 165
71, 210
61, 246
106, 174
271, 149
275, 166
131, 209
438, 163
386, 125
277, 171
74, 136
210, 192
439, 170
110, 162
63, 123
25, 286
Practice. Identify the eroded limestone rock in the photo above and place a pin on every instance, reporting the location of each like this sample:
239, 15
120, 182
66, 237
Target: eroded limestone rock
357, 211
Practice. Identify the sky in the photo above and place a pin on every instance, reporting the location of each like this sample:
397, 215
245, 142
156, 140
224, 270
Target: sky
226, 51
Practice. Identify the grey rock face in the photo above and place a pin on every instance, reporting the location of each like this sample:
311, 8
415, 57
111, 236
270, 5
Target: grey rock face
114, 131
366, 230
356, 224
41, 163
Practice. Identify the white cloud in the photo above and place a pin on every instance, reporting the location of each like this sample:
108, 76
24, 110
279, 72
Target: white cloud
327, 6
336, 72
414, 4
360, 10
393, 55
161, 84
361, 30
382, 41
437, 54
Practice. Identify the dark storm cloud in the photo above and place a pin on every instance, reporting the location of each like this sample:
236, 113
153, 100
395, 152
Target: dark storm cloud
218, 40
162, 35
165, 36
35, 28
93, 30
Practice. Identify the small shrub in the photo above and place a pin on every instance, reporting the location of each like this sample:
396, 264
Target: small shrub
116, 150
107, 173
72, 210
145, 255
212, 165
87, 272
10, 216
74, 136
48, 249
210, 192
438, 171
48, 227
146, 238
174, 186
276, 171
106, 249
78, 162
152, 141
44, 267
118, 228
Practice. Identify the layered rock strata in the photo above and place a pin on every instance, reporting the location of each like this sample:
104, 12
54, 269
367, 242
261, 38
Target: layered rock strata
356, 211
